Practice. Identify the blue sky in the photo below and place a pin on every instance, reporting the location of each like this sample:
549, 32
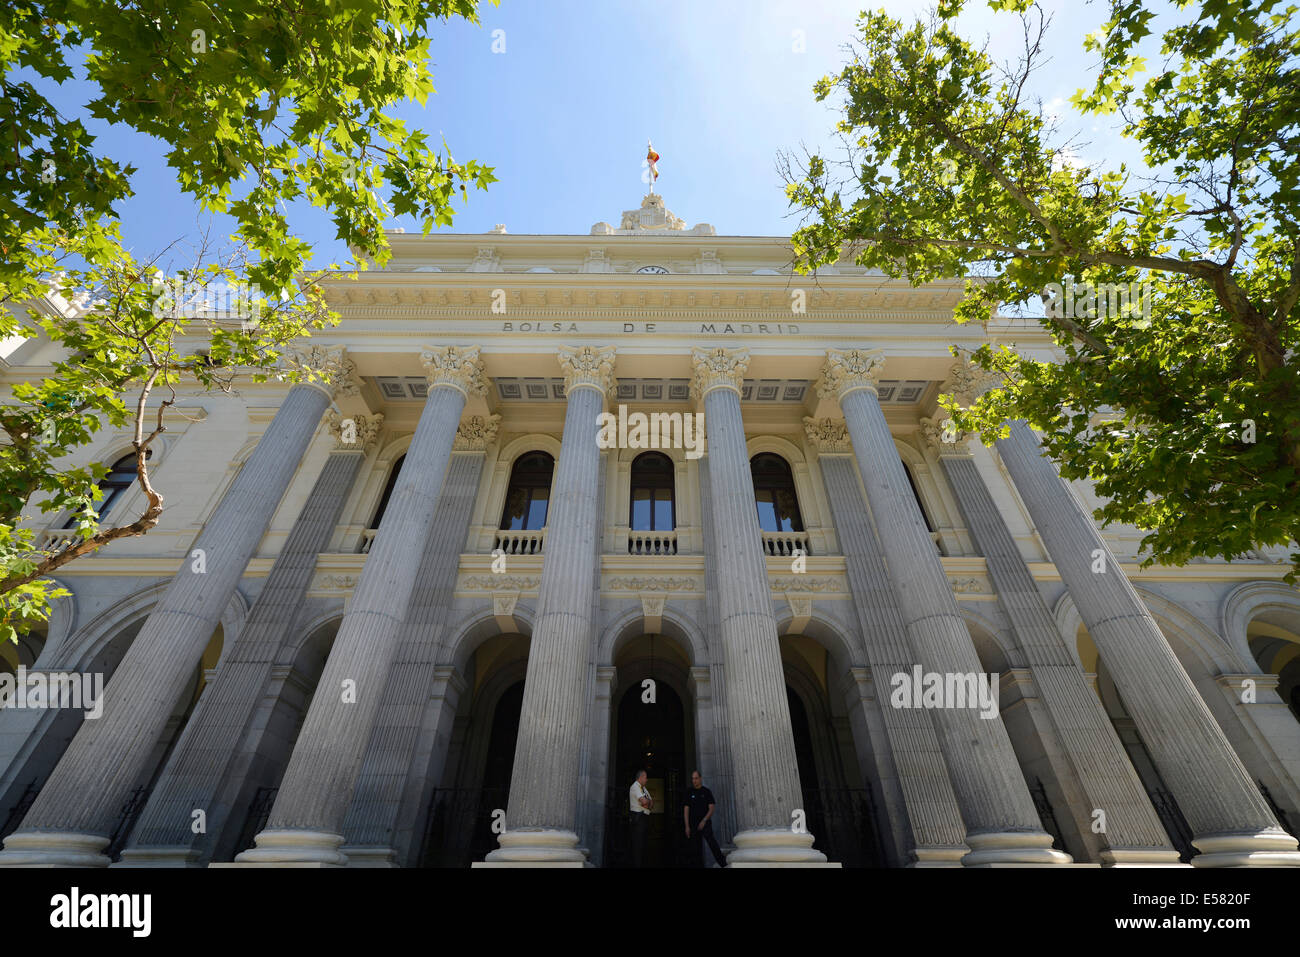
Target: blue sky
564, 113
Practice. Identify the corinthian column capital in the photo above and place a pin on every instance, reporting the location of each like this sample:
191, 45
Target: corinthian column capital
967, 382
354, 433
849, 369
828, 436
587, 365
718, 369
475, 433
943, 436
460, 368
326, 367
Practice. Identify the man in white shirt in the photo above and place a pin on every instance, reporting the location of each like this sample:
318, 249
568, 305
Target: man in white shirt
639, 804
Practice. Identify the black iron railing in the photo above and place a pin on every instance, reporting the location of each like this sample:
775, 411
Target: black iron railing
1277, 810
1176, 826
459, 830
259, 812
1046, 816
126, 819
19, 810
845, 825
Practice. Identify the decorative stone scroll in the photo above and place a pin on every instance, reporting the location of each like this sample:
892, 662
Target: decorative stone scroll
460, 368
588, 366
849, 369
326, 367
828, 436
718, 369
476, 433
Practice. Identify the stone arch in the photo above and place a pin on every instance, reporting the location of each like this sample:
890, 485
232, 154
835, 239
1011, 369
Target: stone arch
1269, 749
997, 630
476, 627
76, 653
475, 765
1251, 601
837, 770
996, 649
41, 737
677, 625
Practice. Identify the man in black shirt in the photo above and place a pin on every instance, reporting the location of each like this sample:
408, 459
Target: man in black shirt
697, 815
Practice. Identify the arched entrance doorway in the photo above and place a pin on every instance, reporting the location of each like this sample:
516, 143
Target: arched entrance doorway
652, 729
480, 757
56, 727
839, 805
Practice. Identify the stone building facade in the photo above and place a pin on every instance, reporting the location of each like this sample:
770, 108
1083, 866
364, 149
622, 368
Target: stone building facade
428, 613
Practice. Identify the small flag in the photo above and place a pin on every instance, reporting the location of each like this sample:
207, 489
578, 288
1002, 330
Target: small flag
652, 158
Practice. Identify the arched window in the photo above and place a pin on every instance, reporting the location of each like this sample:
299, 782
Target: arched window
121, 476
529, 494
654, 507
778, 506
388, 491
917, 495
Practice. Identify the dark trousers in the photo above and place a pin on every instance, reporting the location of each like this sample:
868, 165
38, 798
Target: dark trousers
698, 838
639, 826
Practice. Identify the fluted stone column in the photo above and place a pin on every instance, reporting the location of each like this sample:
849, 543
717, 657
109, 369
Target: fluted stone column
591, 790
722, 781
1002, 824
71, 820
305, 824
1232, 824
1092, 751
541, 818
766, 783
210, 765
918, 795
404, 758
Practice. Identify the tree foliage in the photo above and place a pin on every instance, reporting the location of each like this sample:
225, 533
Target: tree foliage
256, 104
1183, 405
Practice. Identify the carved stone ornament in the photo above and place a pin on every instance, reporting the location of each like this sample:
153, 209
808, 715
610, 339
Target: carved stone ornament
802, 583
475, 433
718, 368
827, 435
849, 369
327, 367
460, 368
966, 381
653, 584
355, 433
587, 365
500, 582
943, 436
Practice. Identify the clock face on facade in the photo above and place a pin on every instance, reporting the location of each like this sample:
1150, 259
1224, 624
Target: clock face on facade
657, 270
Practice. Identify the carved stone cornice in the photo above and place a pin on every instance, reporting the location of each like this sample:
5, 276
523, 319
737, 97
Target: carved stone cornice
966, 381
476, 433
801, 583
354, 433
718, 368
326, 367
849, 369
653, 584
501, 583
456, 366
828, 436
944, 437
587, 366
